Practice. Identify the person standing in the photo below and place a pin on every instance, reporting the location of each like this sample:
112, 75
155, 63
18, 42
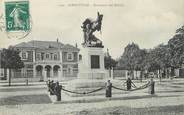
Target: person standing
129, 84
52, 85
58, 91
108, 89
152, 86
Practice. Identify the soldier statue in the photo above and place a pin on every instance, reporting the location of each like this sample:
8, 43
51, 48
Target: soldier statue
89, 27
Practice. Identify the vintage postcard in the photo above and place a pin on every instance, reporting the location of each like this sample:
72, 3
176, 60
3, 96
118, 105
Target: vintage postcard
91, 57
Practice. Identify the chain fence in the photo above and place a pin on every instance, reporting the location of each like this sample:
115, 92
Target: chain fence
135, 88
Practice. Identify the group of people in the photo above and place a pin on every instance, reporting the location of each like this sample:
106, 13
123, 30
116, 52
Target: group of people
54, 89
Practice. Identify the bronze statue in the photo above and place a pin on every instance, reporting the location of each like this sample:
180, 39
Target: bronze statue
89, 26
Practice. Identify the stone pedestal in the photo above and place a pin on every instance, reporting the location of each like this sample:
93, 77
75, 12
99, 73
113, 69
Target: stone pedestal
92, 64
92, 74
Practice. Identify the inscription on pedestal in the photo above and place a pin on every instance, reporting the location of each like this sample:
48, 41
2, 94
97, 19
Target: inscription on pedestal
95, 61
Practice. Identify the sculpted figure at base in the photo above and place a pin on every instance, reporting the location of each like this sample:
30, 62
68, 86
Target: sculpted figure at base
89, 27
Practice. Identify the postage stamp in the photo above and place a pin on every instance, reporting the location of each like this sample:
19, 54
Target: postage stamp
17, 16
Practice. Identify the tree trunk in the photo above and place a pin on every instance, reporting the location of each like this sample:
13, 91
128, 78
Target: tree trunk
172, 71
10, 77
167, 73
5, 74
141, 75
160, 76
132, 74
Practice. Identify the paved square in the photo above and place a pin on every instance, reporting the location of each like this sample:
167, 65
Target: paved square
34, 99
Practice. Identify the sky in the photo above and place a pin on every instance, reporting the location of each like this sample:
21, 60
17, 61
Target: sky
145, 22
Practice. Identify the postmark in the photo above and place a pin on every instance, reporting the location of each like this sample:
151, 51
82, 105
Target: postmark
2, 26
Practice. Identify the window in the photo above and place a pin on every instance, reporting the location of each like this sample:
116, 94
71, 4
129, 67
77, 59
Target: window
55, 56
38, 56
80, 57
24, 55
55, 73
70, 71
17, 73
42, 56
64, 72
47, 56
51, 56
29, 73
95, 61
69, 56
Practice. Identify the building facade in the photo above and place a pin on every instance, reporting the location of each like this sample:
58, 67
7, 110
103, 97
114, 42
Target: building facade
45, 60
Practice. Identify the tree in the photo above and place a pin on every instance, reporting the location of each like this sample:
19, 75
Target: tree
109, 62
10, 59
176, 49
158, 59
132, 58
180, 30
163, 57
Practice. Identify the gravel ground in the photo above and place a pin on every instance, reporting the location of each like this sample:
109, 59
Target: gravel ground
33, 100
25, 99
123, 110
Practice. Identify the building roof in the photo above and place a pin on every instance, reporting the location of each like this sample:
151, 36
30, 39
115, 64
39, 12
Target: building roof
45, 45
68, 46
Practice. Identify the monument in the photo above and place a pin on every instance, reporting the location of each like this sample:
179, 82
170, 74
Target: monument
92, 74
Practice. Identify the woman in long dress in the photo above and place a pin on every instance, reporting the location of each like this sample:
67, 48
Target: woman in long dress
108, 89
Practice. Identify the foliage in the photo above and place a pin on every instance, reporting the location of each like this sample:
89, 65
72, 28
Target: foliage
176, 48
109, 62
157, 58
132, 57
160, 57
10, 59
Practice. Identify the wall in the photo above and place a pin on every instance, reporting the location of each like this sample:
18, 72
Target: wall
123, 74
119, 73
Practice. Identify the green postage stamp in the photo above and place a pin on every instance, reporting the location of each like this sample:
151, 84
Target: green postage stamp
17, 16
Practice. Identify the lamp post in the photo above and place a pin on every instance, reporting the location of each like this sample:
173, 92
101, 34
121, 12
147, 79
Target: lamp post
26, 75
109, 62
